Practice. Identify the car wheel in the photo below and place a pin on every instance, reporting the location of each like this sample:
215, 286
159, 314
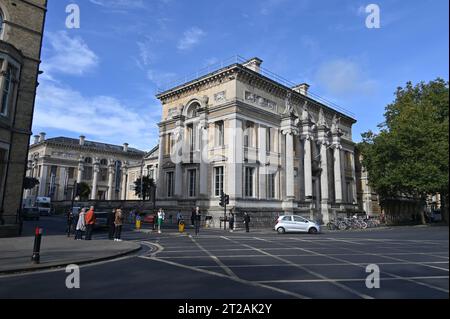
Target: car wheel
313, 230
281, 230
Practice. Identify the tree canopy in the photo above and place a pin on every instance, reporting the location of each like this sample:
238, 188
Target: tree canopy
148, 185
410, 153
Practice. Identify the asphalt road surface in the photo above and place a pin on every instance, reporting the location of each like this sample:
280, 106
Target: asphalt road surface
413, 263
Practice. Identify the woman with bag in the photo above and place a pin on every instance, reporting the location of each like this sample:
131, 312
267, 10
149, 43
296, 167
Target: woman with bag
118, 223
81, 225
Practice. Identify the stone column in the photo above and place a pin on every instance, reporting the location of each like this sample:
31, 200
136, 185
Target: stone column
62, 183
289, 163
307, 155
352, 165
111, 168
307, 137
43, 181
124, 180
262, 158
203, 158
95, 179
337, 172
80, 169
159, 181
324, 144
234, 173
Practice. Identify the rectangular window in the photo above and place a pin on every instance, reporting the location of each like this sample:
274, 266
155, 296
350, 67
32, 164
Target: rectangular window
248, 134
151, 174
7, 89
87, 173
268, 139
271, 180
218, 180
219, 134
71, 172
191, 137
249, 174
103, 174
192, 175
170, 185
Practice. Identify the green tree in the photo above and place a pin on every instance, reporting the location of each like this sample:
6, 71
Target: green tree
30, 183
148, 186
410, 153
84, 191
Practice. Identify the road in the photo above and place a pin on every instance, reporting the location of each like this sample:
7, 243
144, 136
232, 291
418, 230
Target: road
413, 263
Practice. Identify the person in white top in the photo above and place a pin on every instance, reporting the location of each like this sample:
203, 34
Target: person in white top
81, 225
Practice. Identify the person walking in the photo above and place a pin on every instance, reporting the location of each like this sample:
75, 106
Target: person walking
231, 221
90, 222
118, 223
81, 225
70, 221
247, 222
193, 217
179, 218
111, 226
161, 216
198, 219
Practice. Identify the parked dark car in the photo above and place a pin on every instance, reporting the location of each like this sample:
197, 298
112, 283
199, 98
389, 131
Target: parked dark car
101, 220
30, 213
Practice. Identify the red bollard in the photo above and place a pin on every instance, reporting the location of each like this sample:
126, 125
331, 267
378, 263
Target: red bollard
36, 258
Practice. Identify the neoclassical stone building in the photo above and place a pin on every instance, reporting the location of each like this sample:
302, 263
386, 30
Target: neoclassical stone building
59, 163
272, 147
21, 31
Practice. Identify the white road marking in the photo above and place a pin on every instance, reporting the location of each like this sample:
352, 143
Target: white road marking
350, 279
243, 281
360, 295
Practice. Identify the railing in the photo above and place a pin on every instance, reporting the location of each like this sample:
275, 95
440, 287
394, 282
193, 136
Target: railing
237, 59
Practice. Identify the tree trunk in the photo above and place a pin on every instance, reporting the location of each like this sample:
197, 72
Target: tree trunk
444, 207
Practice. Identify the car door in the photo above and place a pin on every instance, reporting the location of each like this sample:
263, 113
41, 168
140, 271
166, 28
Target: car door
301, 224
287, 223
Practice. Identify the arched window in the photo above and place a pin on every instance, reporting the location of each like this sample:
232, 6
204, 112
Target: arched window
192, 110
88, 160
104, 162
1, 23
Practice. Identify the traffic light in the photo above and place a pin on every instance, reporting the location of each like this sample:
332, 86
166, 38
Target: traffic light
78, 190
222, 200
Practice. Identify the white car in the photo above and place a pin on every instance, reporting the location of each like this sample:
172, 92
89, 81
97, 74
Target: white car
296, 224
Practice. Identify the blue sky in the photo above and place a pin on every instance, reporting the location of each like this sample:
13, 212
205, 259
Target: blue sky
100, 80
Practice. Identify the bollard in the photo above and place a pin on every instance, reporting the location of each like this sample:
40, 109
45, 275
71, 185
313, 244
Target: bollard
138, 223
36, 258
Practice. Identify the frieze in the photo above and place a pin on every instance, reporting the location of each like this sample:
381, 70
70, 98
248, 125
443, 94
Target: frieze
260, 101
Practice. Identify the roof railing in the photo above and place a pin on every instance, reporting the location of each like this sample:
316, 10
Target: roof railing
237, 59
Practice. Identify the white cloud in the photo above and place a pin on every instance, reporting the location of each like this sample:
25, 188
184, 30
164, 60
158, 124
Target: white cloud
343, 76
100, 118
190, 38
69, 55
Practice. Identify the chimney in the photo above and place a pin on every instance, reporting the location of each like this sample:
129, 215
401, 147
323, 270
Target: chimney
36, 139
302, 88
125, 147
254, 64
41, 137
82, 140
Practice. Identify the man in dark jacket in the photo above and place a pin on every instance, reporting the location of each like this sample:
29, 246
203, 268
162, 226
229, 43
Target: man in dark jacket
111, 226
247, 222
198, 219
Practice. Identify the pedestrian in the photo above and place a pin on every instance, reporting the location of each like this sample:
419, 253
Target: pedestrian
81, 225
193, 217
231, 221
161, 216
198, 219
118, 223
247, 222
111, 226
90, 222
179, 218
70, 220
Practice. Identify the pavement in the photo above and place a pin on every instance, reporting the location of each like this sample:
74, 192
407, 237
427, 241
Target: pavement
58, 251
413, 263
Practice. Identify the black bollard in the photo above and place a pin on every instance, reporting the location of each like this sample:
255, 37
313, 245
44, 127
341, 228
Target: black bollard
37, 246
